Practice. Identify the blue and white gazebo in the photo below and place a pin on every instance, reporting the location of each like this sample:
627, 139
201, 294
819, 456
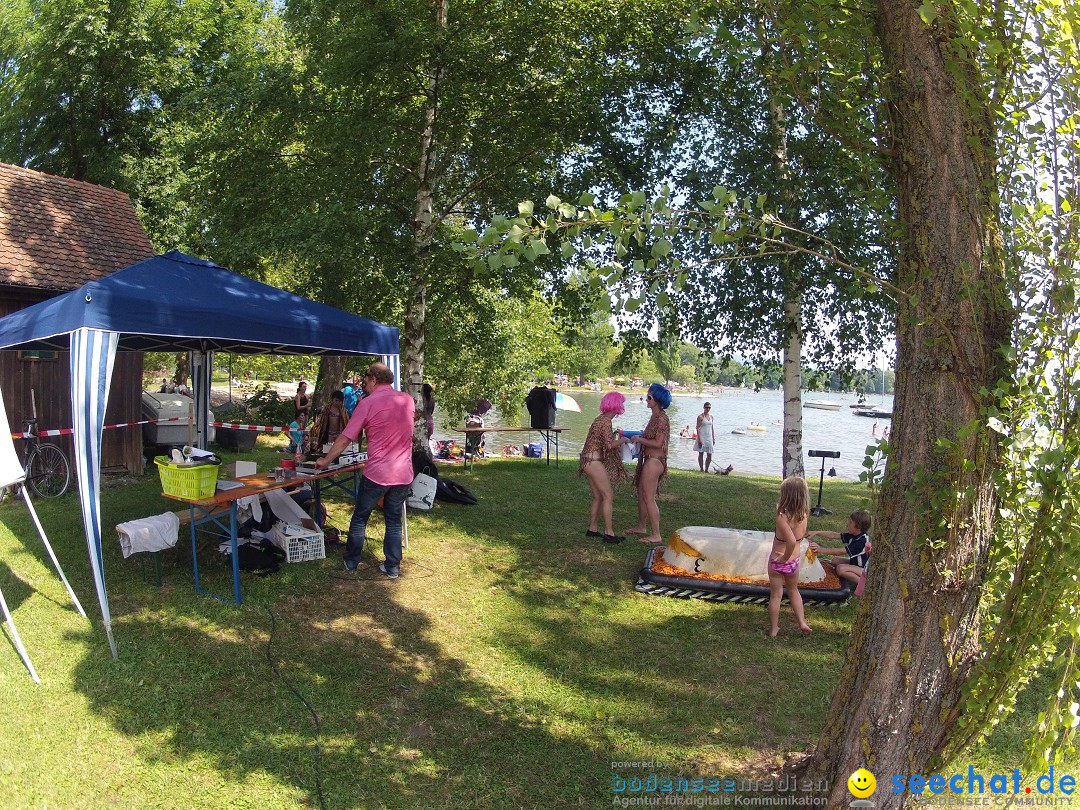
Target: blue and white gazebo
175, 302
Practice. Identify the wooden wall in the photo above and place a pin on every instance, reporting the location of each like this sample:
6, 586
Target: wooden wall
50, 382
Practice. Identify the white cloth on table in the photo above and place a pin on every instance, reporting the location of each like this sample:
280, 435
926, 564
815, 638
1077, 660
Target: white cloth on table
251, 502
152, 533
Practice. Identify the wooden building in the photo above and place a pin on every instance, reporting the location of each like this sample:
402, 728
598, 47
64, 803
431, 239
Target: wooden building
57, 234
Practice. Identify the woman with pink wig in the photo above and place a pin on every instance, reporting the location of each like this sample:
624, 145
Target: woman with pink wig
602, 466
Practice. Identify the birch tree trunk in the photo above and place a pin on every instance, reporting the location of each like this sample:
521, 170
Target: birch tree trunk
423, 231
793, 432
916, 634
791, 448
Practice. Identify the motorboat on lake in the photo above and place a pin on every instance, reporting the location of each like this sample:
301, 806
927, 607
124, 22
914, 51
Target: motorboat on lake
874, 413
821, 404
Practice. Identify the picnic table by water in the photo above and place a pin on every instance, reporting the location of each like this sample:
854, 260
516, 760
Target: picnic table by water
755, 452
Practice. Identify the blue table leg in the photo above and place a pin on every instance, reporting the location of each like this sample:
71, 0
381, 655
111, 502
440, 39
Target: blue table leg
235, 554
209, 517
194, 552
316, 493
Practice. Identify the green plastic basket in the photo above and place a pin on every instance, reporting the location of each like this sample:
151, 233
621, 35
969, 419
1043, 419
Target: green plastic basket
195, 483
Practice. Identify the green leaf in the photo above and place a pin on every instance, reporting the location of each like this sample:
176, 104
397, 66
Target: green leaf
525, 208
661, 249
552, 201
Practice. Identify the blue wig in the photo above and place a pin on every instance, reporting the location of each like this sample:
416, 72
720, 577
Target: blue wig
660, 394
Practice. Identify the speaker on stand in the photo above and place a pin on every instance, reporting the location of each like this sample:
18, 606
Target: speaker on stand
819, 510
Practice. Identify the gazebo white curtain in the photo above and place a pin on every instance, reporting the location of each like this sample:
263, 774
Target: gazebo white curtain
93, 352
393, 362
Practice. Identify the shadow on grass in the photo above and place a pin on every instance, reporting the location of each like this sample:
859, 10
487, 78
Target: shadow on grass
403, 724
672, 678
16, 589
512, 675
33, 562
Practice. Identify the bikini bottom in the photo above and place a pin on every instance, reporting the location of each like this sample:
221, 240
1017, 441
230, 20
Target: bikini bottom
785, 568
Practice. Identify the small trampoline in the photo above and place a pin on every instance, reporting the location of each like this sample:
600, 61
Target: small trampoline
728, 565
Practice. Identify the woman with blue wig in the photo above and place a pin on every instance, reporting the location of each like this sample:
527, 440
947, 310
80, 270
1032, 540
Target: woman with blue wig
652, 465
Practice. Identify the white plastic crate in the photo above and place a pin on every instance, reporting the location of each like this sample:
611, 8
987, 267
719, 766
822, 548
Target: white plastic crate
300, 543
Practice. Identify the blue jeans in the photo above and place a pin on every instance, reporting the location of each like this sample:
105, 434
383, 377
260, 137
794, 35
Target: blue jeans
366, 500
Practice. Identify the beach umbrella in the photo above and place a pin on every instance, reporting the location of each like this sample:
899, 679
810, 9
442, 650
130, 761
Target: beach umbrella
564, 402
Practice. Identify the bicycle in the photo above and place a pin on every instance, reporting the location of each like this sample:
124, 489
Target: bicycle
48, 472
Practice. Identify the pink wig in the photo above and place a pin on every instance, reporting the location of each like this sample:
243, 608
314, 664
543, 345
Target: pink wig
613, 402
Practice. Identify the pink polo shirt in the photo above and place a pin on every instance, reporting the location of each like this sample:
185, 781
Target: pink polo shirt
385, 416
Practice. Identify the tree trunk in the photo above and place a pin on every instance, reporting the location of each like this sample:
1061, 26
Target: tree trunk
793, 433
183, 369
791, 448
916, 634
330, 378
423, 230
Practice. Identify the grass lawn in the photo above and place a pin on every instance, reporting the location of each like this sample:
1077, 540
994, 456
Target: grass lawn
509, 667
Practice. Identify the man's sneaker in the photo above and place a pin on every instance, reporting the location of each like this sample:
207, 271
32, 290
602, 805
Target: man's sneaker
349, 565
389, 574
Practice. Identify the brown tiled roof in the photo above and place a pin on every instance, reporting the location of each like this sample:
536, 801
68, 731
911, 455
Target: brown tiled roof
58, 234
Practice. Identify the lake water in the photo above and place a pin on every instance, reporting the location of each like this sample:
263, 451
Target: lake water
754, 452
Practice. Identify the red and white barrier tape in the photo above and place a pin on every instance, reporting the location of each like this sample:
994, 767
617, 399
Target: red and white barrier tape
233, 425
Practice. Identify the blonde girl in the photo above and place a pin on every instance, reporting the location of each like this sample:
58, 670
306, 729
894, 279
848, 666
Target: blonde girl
792, 513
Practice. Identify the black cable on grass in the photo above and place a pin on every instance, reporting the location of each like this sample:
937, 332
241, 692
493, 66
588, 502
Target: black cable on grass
302, 699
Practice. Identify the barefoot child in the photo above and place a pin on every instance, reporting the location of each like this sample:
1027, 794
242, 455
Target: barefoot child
856, 548
792, 512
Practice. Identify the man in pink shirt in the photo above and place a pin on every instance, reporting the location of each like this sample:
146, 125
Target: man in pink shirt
385, 416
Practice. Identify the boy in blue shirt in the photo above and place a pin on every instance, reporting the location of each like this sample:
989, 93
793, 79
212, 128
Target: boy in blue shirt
856, 542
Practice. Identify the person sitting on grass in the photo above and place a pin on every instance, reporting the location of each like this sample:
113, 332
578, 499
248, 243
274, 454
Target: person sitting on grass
856, 548
297, 435
474, 442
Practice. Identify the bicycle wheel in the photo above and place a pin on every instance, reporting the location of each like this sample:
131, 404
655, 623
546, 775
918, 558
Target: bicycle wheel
48, 471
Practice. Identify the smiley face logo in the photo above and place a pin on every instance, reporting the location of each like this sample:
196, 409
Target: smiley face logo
862, 783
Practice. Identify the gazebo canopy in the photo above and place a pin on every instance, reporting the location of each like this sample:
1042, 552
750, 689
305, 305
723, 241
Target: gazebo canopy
176, 302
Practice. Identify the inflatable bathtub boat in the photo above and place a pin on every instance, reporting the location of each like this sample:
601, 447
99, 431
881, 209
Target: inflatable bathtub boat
729, 565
